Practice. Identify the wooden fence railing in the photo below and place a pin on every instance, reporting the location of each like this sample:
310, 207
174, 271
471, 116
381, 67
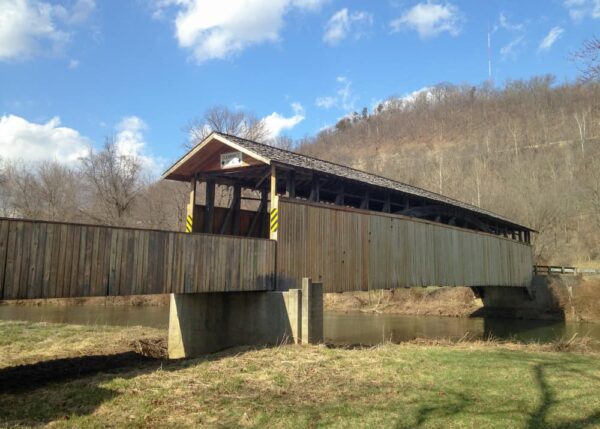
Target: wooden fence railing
55, 260
557, 269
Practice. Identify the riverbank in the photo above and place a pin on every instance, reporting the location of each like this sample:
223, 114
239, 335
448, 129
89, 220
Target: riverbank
86, 376
574, 299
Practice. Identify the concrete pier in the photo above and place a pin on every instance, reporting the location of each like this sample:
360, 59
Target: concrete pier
535, 302
312, 312
208, 322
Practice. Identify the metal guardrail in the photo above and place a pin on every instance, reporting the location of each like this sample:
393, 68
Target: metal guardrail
557, 269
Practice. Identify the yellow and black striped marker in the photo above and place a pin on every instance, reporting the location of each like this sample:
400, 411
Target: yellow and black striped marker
274, 219
188, 224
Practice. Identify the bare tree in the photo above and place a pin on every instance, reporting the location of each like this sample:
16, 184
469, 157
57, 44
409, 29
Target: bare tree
115, 183
4, 190
46, 191
222, 119
589, 56
283, 142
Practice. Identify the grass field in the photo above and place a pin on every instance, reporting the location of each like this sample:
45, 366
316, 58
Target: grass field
73, 376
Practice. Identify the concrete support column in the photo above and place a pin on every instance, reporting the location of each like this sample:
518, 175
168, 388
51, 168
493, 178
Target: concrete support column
312, 312
293, 306
202, 323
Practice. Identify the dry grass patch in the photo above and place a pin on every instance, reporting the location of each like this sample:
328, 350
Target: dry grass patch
417, 384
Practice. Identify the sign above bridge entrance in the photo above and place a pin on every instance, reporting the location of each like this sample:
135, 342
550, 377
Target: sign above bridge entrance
231, 159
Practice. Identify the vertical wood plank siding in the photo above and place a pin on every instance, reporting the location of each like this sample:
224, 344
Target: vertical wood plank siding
348, 249
56, 260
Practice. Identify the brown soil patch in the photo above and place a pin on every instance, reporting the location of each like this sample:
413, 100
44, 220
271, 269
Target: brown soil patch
438, 301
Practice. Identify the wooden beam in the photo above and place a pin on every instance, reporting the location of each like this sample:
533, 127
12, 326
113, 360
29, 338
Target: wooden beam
364, 204
209, 206
290, 184
274, 212
233, 213
259, 214
387, 205
189, 219
237, 198
262, 179
339, 198
315, 190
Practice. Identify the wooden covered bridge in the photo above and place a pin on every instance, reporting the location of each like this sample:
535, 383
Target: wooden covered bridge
262, 218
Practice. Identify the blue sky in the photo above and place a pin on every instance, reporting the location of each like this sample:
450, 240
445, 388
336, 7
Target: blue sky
75, 71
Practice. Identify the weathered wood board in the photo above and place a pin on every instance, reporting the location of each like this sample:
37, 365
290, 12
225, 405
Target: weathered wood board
56, 260
349, 249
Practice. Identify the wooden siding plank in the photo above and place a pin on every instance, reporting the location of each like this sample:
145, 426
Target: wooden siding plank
54, 260
4, 228
335, 245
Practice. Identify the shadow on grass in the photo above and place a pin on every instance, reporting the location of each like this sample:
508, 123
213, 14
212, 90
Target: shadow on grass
539, 417
450, 403
58, 389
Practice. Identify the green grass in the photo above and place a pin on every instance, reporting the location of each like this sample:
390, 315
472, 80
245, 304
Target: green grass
400, 386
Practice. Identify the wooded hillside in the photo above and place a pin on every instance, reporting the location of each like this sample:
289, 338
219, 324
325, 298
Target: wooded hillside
529, 151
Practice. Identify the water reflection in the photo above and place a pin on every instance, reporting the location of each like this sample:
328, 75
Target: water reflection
350, 328
155, 317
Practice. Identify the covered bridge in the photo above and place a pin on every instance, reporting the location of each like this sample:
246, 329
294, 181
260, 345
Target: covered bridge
347, 228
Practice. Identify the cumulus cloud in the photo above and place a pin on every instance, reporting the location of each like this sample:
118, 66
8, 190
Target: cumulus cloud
343, 23
553, 35
31, 142
217, 30
276, 123
27, 141
343, 99
580, 9
430, 19
30, 27
130, 141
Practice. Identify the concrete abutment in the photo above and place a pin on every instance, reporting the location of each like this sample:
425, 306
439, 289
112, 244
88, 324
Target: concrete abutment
534, 302
203, 323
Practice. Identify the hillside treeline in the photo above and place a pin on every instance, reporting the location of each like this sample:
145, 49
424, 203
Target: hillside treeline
529, 150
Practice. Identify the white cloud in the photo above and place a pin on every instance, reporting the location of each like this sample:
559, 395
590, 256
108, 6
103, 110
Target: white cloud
553, 35
343, 99
31, 142
580, 9
130, 141
28, 141
510, 50
326, 102
276, 123
504, 23
217, 30
430, 19
30, 27
73, 64
516, 31
342, 23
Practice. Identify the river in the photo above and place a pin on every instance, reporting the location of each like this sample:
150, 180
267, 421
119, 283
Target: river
339, 328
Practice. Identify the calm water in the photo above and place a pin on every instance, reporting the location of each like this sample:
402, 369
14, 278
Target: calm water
354, 328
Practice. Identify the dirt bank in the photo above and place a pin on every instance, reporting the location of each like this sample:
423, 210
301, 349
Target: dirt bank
577, 297
139, 300
574, 298
438, 301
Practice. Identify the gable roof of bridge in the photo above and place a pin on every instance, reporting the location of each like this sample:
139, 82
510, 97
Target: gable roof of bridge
271, 155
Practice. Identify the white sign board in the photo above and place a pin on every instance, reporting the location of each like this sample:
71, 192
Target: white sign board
231, 159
